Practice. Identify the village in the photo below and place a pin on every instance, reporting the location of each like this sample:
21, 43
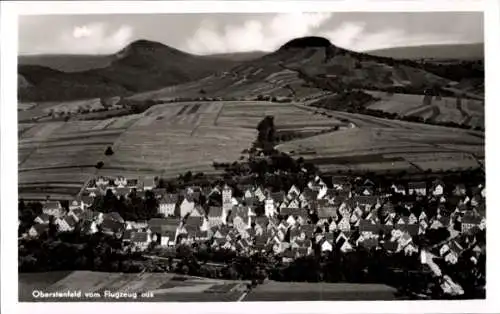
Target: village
288, 224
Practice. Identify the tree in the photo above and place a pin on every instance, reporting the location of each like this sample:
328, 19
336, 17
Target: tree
99, 165
109, 151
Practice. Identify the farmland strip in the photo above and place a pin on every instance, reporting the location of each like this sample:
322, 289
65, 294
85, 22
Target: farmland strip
194, 109
182, 110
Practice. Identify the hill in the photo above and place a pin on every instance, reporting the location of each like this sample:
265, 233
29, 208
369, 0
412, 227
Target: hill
305, 66
442, 52
67, 63
301, 67
143, 65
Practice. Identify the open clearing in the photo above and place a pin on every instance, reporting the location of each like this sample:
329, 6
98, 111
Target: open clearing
164, 286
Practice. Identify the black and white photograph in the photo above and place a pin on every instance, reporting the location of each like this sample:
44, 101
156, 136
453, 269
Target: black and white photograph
250, 156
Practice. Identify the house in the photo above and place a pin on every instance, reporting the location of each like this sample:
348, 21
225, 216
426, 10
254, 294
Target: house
390, 246
114, 216
369, 243
42, 219
259, 194
53, 208
89, 227
422, 216
325, 210
227, 198
127, 235
192, 224
445, 248
87, 201
470, 220
247, 192
436, 224
453, 253
76, 213
417, 188
326, 245
460, 190
37, 230
148, 183
412, 219
398, 188
215, 216
368, 227
66, 224
346, 247
121, 192
141, 240
344, 224
410, 249
187, 206
437, 188
294, 204
269, 208
102, 182
75, 204
293, 193
112, 227
166, 205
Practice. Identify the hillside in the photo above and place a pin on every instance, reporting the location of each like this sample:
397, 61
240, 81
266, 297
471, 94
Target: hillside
300, 68
442, 52
67, 63
141, 66
306, 66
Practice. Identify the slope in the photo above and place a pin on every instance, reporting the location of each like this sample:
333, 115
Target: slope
303, 67
142, 65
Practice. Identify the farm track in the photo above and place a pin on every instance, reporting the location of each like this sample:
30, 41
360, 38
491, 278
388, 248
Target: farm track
55, 168
218, 114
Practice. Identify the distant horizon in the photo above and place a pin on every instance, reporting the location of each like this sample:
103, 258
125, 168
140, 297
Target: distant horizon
242, 52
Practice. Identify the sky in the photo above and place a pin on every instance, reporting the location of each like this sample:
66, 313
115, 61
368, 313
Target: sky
208, 33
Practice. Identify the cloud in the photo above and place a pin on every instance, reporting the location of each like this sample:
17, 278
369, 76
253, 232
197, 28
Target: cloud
92, 38
254, 34
355, 36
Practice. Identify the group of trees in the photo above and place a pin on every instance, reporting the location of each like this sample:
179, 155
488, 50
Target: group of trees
75, 251
131, 207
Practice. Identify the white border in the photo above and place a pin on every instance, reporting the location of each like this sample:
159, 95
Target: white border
9, 14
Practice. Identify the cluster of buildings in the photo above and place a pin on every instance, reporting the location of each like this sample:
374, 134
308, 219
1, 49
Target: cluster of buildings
288, 223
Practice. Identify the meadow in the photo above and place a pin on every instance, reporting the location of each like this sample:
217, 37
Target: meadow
468, 112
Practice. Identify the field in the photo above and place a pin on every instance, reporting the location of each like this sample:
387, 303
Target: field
55, 158
164, 286
377, 144
320, 291
29, 111
176, 288
445, 109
